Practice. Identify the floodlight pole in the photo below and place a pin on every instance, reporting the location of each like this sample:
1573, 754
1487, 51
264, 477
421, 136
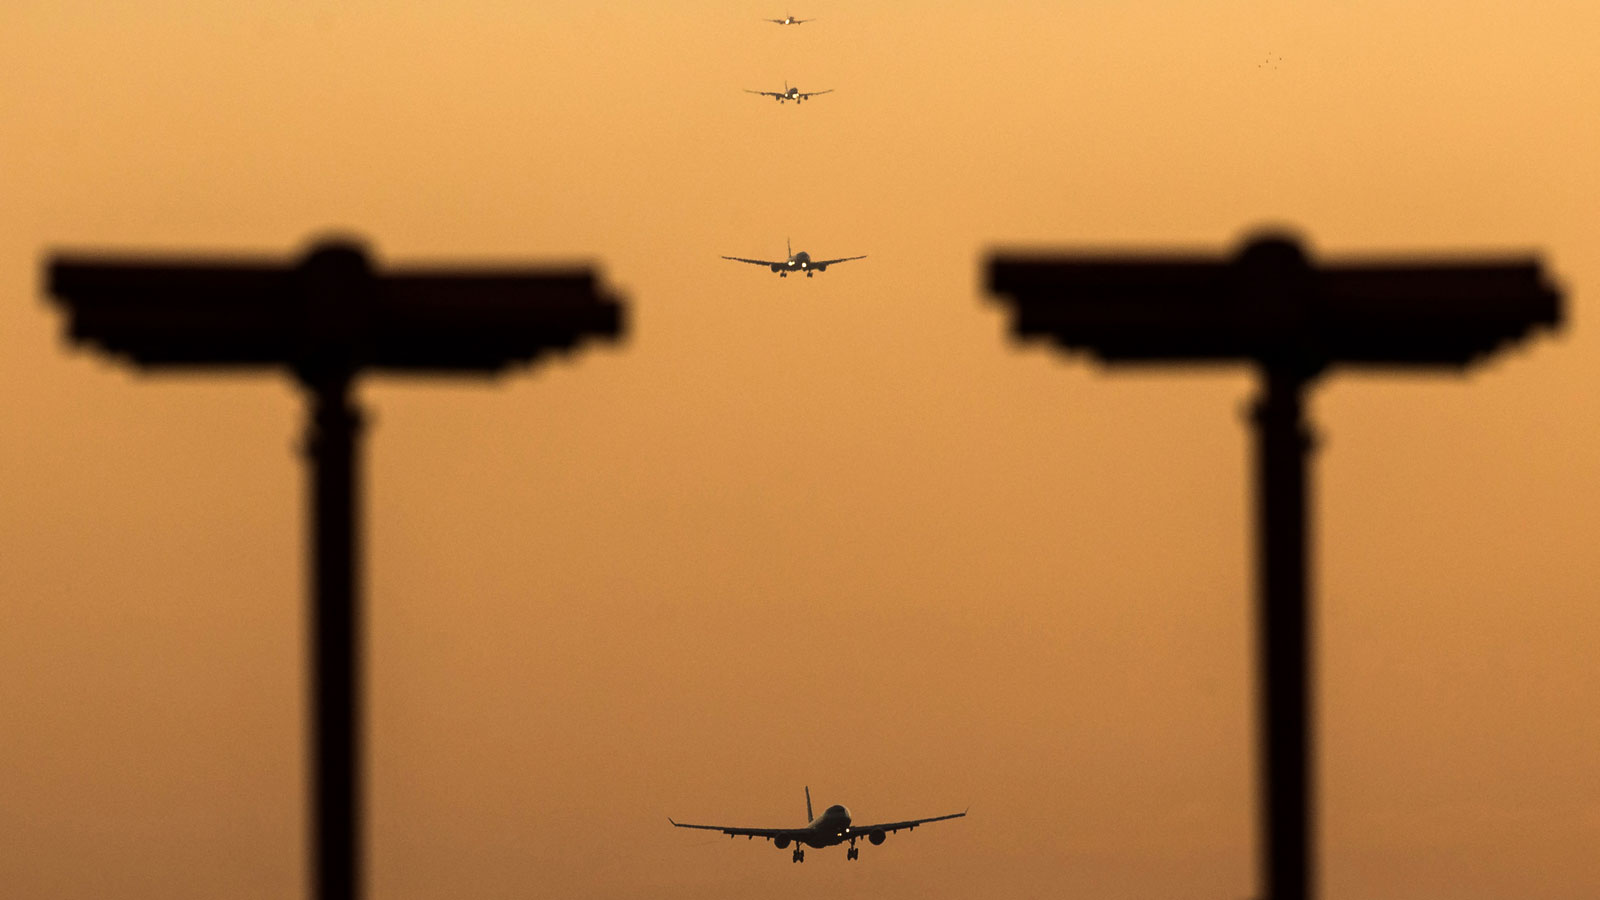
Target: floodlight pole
328, 318
333, 433
1269, 306
1283, 642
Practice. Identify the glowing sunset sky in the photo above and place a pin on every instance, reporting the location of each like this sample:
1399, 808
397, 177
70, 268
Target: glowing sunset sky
833, 531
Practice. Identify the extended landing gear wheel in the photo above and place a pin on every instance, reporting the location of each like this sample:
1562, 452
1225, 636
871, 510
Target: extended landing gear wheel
810, 273
853, 853
799, 855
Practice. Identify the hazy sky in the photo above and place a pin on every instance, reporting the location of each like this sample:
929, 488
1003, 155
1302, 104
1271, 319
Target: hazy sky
833, 531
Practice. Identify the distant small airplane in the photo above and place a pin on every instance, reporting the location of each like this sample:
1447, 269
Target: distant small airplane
830, 829
790, 20
789, 93
797, 262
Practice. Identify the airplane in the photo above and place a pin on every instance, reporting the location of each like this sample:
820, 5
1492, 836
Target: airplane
797, 262
789, 93
789, 20
830, 829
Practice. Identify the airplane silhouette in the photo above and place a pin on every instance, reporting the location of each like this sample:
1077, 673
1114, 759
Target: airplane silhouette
789, 20
830, 829
797, 262
789, 93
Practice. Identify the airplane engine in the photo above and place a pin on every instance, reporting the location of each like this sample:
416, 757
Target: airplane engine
876, 837
777, 267
780, 842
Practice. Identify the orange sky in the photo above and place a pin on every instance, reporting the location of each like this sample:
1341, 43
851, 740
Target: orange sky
831, 531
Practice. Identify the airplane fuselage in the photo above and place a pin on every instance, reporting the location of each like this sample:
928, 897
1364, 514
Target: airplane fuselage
800, 262
829, 829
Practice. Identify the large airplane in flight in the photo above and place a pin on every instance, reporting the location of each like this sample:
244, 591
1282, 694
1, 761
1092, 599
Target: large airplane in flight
789, 20
789, 93
832, 828
797, 262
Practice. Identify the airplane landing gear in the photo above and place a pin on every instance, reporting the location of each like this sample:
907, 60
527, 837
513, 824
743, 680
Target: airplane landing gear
853, 853
783, 274
809, 273
799, 855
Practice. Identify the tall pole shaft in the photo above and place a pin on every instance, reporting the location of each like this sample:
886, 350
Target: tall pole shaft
335, 632
1283, 444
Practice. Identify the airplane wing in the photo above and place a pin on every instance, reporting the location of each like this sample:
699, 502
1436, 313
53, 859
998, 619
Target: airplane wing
755, 262
890, 827
820, 264
764, 833
815, 93
764, 93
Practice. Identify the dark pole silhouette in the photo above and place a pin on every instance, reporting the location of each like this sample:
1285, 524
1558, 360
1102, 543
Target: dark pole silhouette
1283, 638
337, 652
1269, 306
327, 319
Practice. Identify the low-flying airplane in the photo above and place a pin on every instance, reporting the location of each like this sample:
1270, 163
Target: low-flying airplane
789, 93
830, 829
797, 262
789, 20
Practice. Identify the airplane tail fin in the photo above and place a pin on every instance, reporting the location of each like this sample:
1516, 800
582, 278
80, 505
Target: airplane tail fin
809, 816
789, 246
